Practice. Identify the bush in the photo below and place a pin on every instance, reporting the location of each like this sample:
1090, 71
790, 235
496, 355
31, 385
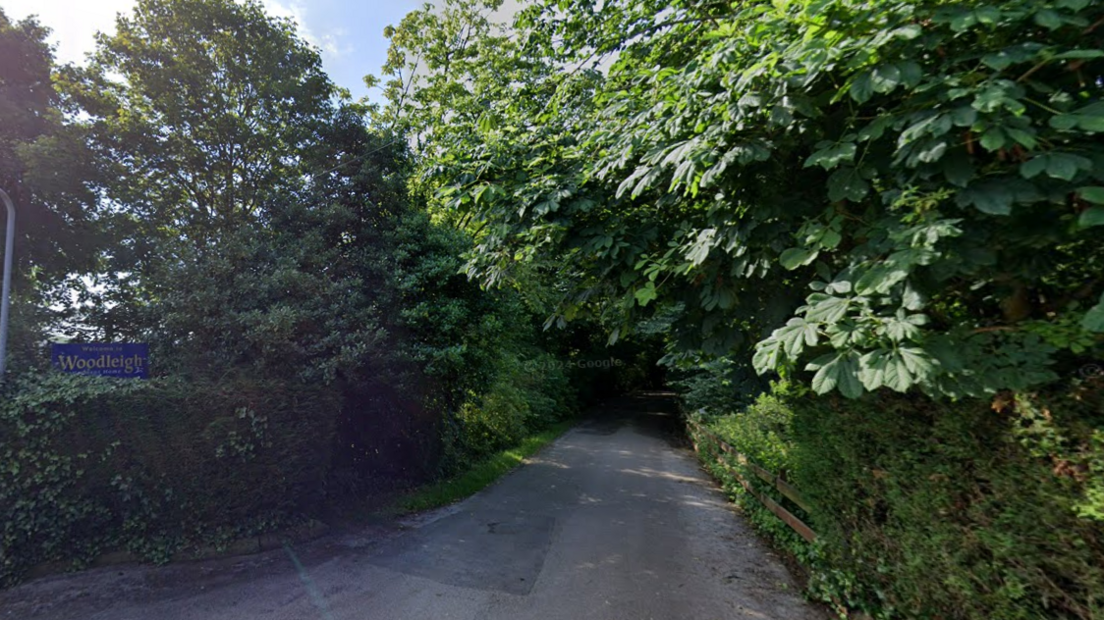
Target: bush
495, 420
526, 396
928, 510
762, 432
488, 376
153, 467
723, 384
947, 510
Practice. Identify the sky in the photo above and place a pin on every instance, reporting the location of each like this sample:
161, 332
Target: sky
349, 33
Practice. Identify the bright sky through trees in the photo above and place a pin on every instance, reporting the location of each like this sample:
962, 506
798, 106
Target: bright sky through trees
348, 32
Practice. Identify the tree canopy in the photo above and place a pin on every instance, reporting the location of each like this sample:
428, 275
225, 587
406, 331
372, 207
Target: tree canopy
44, 162
900, 195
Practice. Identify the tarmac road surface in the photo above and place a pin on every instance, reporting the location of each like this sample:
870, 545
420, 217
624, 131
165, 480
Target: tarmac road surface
612, 521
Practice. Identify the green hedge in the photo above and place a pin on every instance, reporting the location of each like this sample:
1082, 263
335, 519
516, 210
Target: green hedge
930, 510
762, 432
90, 465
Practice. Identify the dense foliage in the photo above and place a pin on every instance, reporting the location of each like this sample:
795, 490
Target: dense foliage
155, 468
44, 163
899, 202
313, 341
945, 511
897, 195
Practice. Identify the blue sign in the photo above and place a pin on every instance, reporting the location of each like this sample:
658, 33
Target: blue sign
105, 359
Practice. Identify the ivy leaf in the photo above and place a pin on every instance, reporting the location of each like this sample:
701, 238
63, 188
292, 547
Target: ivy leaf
647, 294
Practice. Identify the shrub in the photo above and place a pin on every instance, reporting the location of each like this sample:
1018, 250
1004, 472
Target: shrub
943, 510
930, 510
495, 420
723, 384
763, 433
153, 467
525, 396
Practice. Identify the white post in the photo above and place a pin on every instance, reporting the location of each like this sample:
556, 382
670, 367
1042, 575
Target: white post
5, 295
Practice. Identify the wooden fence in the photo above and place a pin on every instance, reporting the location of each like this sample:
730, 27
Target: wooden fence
783, 487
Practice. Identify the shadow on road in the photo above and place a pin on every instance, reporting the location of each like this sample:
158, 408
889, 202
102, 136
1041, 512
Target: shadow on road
654, 414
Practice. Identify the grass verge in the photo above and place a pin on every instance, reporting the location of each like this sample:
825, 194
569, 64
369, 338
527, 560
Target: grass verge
481, 474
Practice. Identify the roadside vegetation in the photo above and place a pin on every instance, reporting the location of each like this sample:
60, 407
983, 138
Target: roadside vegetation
480, 474
865, 240
202, 186
871, 230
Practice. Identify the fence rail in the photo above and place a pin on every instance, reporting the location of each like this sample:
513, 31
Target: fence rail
774, 480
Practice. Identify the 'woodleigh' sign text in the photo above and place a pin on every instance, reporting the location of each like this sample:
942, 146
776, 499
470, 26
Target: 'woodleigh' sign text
103, 358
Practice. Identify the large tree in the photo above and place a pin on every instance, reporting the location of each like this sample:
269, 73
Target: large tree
248, 203
205, 109
927, 176
46, 169
43, 163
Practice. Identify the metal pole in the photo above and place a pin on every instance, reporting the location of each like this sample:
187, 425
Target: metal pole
5, 295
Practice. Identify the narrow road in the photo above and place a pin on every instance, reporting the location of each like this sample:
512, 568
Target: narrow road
612, 521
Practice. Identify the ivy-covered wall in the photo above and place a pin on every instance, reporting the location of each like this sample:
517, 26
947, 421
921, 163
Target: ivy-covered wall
93, 465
